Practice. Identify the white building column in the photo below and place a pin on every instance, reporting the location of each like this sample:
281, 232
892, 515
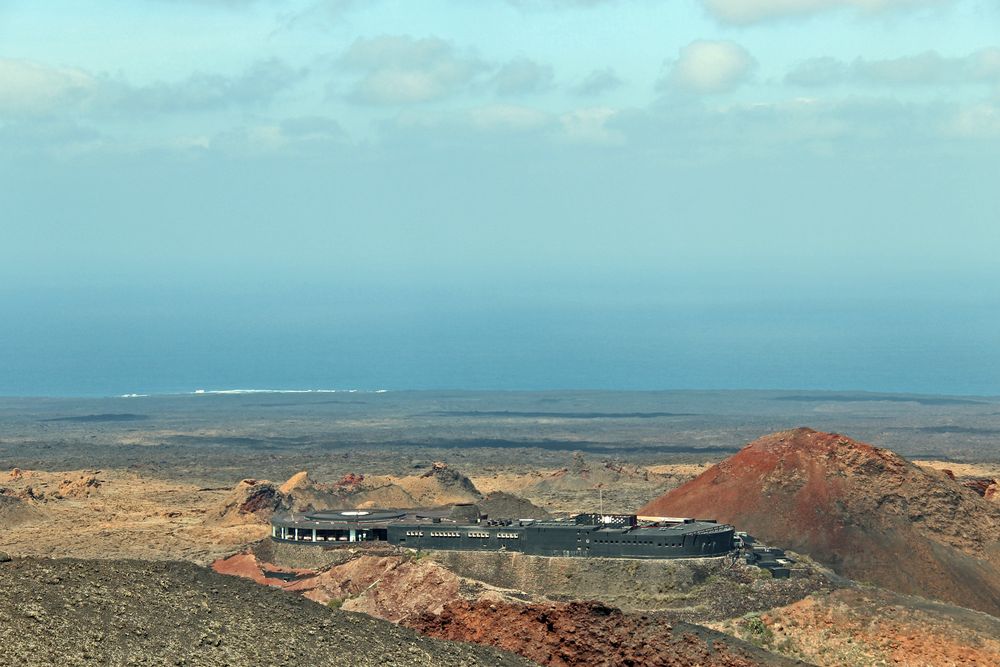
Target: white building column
314, 534
353, 536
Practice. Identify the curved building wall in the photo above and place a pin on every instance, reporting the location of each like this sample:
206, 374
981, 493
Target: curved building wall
568, 541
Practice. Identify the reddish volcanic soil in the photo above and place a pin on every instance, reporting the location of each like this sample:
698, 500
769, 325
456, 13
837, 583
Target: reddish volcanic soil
423, 595
247, 566
587, 634
873, 626
394, 588
867, 512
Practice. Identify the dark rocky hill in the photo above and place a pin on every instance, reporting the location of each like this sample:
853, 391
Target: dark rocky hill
250, 501
867, 512
502, 505
74, 612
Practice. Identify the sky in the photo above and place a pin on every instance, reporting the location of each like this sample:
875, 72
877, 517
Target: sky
499, 194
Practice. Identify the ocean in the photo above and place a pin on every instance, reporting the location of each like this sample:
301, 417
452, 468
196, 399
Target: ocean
102, 349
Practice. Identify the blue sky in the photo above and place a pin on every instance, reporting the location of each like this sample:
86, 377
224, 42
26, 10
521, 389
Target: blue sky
464, 169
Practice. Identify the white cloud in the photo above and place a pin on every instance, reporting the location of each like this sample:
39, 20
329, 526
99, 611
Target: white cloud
298, 135
981, 121
29, 88
931, 67
710, 67
522, 76
854, 126
598, 82
508, 117
32, 88
403, 70
318, 14
590, 126
928, 68
509, 124
742, 12
258, 84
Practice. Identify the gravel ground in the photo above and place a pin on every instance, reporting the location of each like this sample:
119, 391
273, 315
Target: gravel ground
128, 612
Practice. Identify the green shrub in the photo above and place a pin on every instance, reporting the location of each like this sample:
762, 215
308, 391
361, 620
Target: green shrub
756, 630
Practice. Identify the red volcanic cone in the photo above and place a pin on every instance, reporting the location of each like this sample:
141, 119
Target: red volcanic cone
867, 512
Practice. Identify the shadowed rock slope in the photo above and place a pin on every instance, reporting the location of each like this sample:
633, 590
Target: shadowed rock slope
867, 512
250, 501
68, 612
501, 505
15, 511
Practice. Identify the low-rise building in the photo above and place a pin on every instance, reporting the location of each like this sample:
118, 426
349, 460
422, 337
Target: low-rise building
599, 535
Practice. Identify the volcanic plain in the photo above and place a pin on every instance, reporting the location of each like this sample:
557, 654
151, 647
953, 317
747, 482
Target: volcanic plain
900, 513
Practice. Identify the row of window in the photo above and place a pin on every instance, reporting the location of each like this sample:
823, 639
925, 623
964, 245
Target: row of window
641, 542
471, 533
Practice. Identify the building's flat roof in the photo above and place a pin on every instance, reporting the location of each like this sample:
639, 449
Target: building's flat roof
355, 516
345, 519
690, 527
678, 529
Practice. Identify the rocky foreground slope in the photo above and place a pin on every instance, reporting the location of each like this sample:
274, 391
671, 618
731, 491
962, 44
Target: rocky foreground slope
75, 612
867, 512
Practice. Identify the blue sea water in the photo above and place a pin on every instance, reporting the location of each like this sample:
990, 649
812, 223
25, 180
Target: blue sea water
166, 343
